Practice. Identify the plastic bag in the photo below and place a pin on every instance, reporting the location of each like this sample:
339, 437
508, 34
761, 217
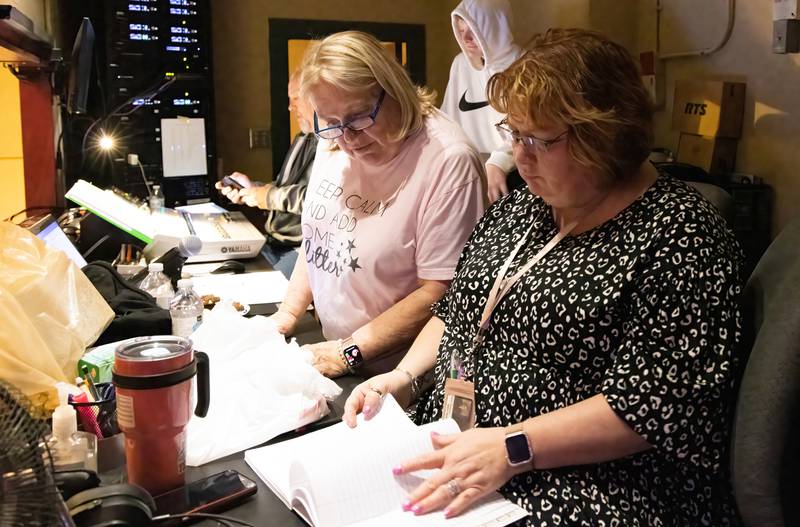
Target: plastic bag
49, 314
260, 386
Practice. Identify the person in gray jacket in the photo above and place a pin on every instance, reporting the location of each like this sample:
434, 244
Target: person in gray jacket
283, 198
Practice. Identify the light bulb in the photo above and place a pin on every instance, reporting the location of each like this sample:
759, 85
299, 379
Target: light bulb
106, 142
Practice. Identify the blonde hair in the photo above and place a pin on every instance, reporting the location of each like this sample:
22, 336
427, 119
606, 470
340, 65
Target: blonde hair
357, 62
591, 84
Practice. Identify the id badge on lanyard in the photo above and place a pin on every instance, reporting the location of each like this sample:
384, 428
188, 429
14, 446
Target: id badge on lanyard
459, 393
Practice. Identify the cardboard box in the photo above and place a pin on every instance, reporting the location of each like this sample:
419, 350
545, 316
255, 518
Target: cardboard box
715, 155
99, 361
709, 108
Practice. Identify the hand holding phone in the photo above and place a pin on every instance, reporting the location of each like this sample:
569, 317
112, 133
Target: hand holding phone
212, 494
228, 181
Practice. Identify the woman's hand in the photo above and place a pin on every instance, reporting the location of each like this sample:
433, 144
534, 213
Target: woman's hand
368, 396
327, 359
496, 181
285, 322
472, 463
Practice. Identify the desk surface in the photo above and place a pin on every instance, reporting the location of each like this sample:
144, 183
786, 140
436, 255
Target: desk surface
265, 509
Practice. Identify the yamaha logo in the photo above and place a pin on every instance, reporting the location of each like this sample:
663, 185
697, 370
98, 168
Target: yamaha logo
235, 249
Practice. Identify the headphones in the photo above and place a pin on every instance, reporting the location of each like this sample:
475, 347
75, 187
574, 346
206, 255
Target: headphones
122, 505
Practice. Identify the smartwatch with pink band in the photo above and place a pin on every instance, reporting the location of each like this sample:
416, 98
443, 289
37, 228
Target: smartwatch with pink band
350, 354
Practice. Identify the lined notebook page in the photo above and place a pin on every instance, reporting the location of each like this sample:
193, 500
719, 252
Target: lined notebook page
353, 481
272, 462
348, 474
492, 511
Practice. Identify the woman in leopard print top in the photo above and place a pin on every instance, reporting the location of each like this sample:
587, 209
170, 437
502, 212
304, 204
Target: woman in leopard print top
613, 354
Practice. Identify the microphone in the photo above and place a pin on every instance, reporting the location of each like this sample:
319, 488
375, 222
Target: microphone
174, 259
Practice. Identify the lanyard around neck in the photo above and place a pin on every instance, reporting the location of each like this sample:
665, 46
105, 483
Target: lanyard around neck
503, 285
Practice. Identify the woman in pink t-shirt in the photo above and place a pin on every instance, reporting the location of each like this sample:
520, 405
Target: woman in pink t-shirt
394, 193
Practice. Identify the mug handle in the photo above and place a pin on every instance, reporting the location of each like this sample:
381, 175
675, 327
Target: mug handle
203, 384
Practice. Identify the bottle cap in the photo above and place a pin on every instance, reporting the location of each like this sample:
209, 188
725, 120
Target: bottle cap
185, 282
156, 267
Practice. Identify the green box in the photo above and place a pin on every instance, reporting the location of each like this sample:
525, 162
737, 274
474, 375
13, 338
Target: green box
99, 361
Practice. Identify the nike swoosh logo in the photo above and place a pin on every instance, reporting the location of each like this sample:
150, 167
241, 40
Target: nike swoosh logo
465, 106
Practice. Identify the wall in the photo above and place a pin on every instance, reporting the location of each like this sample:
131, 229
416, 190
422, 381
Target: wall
536, 16
35, 10
616, 18
26, 128
770, 143
241, 62
770, 138
12, 175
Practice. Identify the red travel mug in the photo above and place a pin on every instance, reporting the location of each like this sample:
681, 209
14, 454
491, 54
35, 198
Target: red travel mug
153, 380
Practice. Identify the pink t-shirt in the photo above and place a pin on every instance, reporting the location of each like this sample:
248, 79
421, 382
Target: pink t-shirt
370, 232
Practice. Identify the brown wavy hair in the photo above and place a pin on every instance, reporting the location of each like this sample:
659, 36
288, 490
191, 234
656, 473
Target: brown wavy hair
591, 84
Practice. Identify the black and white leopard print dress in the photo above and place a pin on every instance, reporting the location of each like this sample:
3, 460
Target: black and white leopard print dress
643, 309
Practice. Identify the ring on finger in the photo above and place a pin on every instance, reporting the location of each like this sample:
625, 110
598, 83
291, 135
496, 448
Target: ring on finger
373, 389
453, 488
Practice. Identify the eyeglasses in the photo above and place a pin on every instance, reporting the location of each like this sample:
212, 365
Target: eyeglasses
527, 141
356, 125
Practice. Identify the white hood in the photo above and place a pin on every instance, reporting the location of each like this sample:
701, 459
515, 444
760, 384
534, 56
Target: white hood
490, 22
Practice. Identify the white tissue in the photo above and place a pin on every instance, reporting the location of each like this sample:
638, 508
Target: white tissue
260, 386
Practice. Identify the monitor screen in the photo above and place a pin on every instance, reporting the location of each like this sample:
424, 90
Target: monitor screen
80, 69
53, 236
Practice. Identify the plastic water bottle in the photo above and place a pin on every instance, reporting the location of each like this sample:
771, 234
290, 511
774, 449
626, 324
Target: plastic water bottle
158, 285
186, 309
156, 200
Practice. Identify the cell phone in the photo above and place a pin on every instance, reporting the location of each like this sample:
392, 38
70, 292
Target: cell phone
230, 182
212, 494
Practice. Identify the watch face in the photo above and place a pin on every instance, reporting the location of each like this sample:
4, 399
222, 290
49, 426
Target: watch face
353, 356
517, 449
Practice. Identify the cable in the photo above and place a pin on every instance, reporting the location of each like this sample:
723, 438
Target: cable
145, 94
218, 517
97, 244
144, 178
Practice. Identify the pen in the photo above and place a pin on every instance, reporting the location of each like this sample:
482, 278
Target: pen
90, 382
84, 386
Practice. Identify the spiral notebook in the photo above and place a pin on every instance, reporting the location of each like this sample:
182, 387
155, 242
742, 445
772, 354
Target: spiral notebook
342, 477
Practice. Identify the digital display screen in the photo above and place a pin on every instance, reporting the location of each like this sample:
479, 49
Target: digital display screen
53, 236
185, 102
142, 36
138, 8
181, 11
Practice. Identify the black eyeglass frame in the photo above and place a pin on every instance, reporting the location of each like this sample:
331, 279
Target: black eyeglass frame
340, 127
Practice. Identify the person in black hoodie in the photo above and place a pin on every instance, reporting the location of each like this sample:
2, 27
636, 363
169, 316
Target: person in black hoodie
283, 198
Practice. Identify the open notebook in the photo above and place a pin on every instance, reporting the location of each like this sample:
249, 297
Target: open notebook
339, 477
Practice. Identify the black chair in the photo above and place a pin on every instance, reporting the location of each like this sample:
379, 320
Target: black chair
718, 196
765, 452
709, 186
